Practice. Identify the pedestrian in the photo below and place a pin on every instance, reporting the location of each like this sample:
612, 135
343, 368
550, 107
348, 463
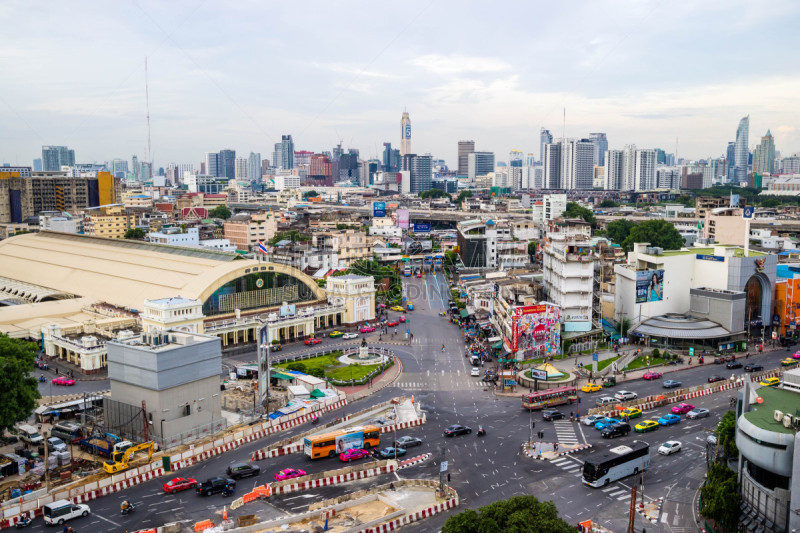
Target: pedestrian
56, 371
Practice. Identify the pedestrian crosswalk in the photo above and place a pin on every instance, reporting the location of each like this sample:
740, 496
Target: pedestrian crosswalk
573, 467
617, 492
418, 385
565, 432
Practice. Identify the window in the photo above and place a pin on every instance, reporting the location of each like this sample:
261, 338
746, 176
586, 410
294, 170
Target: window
187, 410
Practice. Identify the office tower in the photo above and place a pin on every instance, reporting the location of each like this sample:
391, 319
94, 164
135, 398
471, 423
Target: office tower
265, 164
515, 158
226, 164
668, 178
600, 142
545, 137
577, 164
421, 168
54, 157
119, 168
614, 165
368, 170
391, 158
764, 156
254, 166
464, 149
240, 168
479, 164
212, 164
405, 134
551, 166
320, 171
742, 152
287, 152
644, 178
661, 157
302, 157
136, 169
37, 164
348, 166
730, 161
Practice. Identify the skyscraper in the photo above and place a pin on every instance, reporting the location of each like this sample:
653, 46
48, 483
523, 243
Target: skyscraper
212, 164
479, 164
551, 166
254, 166
421, 167
614, 165
600, 142
730, 161
287, 152
391, 158
645, 170
241, 168
764, 155
577, 164
742, 152
464, 149
227, 164
37, 164
405, 134
53, 157
544, 138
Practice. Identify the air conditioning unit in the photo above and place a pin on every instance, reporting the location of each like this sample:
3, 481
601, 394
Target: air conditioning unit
658, 251
778, 415
787, 421
796, 421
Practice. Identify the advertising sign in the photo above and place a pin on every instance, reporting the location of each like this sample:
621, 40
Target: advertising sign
422, 227
539, 374
349, 441
378, 209
704, 257
536, 330
649, 286
402, 218
288, 310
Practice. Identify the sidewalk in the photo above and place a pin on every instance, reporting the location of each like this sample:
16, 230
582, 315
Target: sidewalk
387, 378
63, 367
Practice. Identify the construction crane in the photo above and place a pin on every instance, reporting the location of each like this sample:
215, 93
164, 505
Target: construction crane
113, 466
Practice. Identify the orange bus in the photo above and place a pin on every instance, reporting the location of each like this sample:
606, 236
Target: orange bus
336, 442
550, 397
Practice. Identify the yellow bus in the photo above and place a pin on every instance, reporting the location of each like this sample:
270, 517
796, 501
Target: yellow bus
336, 442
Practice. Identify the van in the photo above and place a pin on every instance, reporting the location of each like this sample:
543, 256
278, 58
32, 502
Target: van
475, 360
30, 435
68, 432
605, 400
60, 511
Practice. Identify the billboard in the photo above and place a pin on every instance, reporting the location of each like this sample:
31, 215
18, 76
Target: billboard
378, 209
422, 227
402, 218
536, 330
288, 310
649, 286
349, 441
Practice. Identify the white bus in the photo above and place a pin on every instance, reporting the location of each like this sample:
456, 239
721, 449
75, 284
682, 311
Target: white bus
602, 468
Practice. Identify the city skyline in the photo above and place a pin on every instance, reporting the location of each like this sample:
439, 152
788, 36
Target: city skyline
332, 89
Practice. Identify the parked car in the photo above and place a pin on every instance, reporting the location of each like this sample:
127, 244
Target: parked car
366, 329
240, 470
624, 395
552, 414
697, 412
289, 473
352, 454
407, 442
591, 387
456, 429
215, 485
734, 364
54, 444
719, 360
670, 447
651, 375
714, 378
312, 341
619, 429
682, 408
646, 425
350, 336
730, 358
61, 380
669, 420
178, 484
753, 367
391, 452
671, 384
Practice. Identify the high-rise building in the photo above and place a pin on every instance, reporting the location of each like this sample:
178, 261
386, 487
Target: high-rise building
240, 168
391, 158
227, 164
265, 165
464, 149
421, 167
661, 157
119, 168
405, 134
254, 166
645, 170
668, 178
577, 164
600, 142
54, 157
730, 161
283, 157
37, 164
320, 171
764, 156
545, 137
614, 170
479, 164
742, 150
212, 164
551, 166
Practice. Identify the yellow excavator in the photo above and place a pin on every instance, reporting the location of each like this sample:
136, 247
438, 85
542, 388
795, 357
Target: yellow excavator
118, 464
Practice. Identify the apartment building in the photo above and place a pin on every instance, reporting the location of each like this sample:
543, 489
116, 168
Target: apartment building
350, 245
245, 231
108, 221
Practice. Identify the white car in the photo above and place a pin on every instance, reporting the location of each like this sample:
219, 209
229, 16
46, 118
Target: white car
626, 395
350, 336
591, 419
475, 372
669, 447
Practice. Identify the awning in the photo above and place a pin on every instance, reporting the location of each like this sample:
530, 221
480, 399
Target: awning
495, 339
464, 313
497, 345
316, 393
281, 375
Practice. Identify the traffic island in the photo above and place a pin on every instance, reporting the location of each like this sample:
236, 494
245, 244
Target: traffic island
549, 450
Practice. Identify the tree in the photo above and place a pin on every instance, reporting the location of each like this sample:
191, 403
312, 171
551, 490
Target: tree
720, 497
19, 386
291, 235
618, 230
770, 202
434, 193
532, 248
726, 434
451, 258
576, 211
462, 195
658, 233
608, 203
296, 367
518, 514
221, 211
134, 233
310, 194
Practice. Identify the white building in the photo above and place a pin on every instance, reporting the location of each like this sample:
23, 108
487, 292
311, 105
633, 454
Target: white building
551, 207
240, 168
284, 179
577, 164
668, 178
190, 239
56, 221
568, 262
644, 177
614, 170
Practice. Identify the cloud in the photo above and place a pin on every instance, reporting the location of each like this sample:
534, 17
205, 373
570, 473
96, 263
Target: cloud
355, 71
456, 64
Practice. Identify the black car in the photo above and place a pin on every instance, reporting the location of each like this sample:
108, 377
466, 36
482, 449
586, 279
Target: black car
734, 364
752, 367
489, 378
616, 430
407, 442
671, 384
712, 378
240, 470
551, 415
215, 485
456, 429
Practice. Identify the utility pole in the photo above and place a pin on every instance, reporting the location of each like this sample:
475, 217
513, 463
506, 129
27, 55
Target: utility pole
632, 511
144, 422
46, 465
442, 464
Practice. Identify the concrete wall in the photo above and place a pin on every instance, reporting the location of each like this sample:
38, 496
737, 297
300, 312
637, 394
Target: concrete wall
725, 309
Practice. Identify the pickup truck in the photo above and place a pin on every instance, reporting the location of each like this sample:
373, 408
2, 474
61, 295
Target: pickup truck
214, 485
104, 447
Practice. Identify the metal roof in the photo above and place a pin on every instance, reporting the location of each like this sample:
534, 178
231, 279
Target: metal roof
681, 327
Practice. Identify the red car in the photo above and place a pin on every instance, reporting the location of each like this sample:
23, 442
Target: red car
419, 274
796, 355
682, 408
652, 375
366, 329
393, 323
178, 484
402, 318
61, 380
289, 473
312, 341
352, 454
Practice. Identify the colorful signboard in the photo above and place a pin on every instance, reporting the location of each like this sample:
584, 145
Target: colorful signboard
422, 227
349, 441
402, 218
536, 330
378, 209
649, 286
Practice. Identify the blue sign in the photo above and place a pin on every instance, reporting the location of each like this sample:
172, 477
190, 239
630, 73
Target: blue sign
747, 212
594, 356
422, 227
408, 332
378, 209
717, 258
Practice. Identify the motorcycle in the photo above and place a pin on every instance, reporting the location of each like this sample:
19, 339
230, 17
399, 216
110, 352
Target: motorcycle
481, 431
228, 491
128, 510
24, 522
42, 379
315, 420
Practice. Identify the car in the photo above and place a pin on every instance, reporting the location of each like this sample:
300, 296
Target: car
366, 329
419, 274
682, 408
784, 362
406, 442
719, 360
277, 347
289, 473
54, 444
591, 420
625, 395
651, 375
669, 420
350, 336
715, 377
671, 384
61, 380
312, 341
734, 364
393, 323
616, 430
753, 367
489, 378
605, 423
334, 334
240, 470
410, 306
456, 429
402, 318
796, 355
697, 412
730, 358
391, 453
669, 447
552, 414
178, 484
631, 412
646, 425
591, 387
214, 485
770, 382
475, 372
397, 308
352, 454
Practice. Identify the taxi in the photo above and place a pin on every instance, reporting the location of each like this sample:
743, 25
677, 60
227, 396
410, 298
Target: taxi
591, 387
631, 412
788, 361
397, 308
646, 425
769, 382
335, 334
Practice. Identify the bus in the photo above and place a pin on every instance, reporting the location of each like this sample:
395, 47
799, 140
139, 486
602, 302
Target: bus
336, 442
602, 468
548, 398
407, 270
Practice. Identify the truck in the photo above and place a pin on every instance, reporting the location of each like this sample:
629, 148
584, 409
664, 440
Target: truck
104, 447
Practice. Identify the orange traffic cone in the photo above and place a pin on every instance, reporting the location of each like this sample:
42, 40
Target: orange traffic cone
412, 398
225, 512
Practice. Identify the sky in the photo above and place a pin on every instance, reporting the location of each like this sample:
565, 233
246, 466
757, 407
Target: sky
241, 73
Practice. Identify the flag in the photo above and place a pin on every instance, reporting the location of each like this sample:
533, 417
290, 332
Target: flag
262, 247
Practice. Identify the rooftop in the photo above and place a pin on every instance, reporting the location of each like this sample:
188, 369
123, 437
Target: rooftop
677, 326
762, 415
710, 251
